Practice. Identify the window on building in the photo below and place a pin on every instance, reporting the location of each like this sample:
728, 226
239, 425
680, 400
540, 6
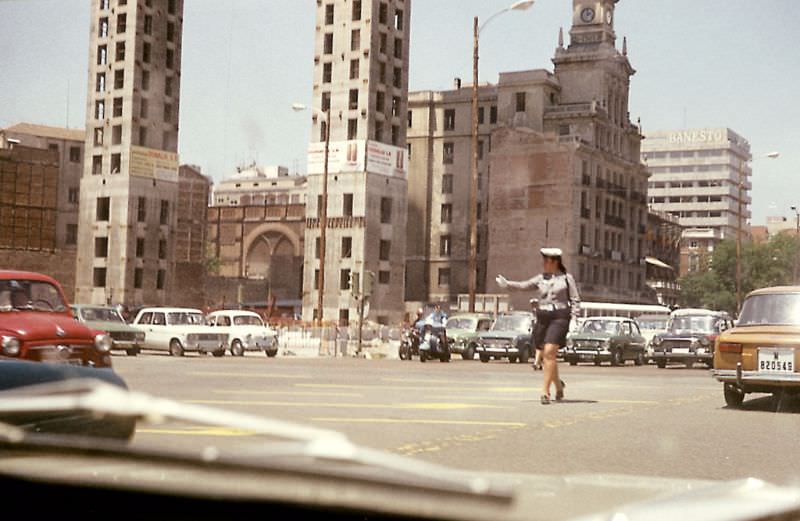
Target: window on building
317, 247
384, 277
353, 103
395, 135
447, 214
116, 134
385, 250
354, 69
382, 72
447, 184
97, 165
444, 245
398, 19
168, 82
408, 147
480, 150
145, 80
520, 101
138, 278
352, 129
347, 205
100, 82
355, 40
344, 280
170, 59
99, 278
356, 10
104, 4
102, 55
327, 73
122, 23
146, 52
448, 153
140, 242
493, 115
119, 79
103, 28
103, 211
323, 131
117, 110
74, 195
396, 103
170, 31
327, 45
386, 210
119, 55
347, 247
167, 112
116, 163
480, 115
75, 154
450, 119
383, 13
380, 101
398, 48
101, 247
444, 277
162, 249
161, 279
163, 217
172, 6
148, 24
99, 109
410, 118
72, 234
398, 77
329, 14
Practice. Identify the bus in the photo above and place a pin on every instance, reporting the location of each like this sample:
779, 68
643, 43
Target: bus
610, 309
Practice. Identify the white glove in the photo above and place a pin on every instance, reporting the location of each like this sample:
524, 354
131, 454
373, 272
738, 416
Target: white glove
501, 281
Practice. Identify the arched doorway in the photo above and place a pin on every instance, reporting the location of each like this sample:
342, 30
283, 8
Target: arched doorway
273, 252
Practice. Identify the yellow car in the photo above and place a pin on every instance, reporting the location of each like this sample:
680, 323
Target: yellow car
761, 354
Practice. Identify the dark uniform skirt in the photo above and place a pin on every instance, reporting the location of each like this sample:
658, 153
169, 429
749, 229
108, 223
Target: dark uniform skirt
552, 327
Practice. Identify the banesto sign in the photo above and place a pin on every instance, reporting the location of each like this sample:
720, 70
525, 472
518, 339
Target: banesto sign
710, 135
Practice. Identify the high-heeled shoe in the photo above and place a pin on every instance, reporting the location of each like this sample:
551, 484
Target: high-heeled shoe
560, 393
545, 399
537, 367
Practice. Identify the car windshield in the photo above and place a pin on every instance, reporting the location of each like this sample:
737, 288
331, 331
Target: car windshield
30, 295
782, 309
692, 324
511, 323
100, 315
185, 319
603, 327
653, 325
247, 320
461, 323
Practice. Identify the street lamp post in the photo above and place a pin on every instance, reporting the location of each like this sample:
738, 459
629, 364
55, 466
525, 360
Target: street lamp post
771, 155
797, 238
473, 198
323, 211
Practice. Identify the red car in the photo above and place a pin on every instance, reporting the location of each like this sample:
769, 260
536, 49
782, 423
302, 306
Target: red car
36, 324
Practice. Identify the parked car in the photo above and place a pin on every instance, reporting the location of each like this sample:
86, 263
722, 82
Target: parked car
178, 330
246, 332
124, 337
761, 354
463, 330
509, 337
606, 339
649, 327
36, 324
690, 337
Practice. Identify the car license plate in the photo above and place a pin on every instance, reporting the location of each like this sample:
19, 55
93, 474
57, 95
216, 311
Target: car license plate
776, 360
681, 350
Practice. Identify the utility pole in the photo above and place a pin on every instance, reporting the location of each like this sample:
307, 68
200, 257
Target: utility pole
473, 193
796, 211
739, 243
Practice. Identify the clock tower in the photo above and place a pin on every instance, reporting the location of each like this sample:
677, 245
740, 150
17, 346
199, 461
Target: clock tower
592, 22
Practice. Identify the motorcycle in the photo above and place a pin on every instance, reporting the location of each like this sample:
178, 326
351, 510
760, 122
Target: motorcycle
433, 344
409, 343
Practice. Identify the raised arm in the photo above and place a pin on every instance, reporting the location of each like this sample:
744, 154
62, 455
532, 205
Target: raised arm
519, 285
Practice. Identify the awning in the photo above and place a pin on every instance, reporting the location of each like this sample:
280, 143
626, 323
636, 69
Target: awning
658, 263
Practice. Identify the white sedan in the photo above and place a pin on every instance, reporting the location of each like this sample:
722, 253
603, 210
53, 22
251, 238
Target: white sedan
246, 331
177, 330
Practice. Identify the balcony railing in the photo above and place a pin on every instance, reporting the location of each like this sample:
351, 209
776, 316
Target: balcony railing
617, 222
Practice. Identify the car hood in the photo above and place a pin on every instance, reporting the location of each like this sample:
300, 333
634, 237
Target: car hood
673, 335
247, 330
502, 334
584, 337
37, 325
460, 333
108, 327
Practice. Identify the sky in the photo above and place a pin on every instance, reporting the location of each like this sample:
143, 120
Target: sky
700, 63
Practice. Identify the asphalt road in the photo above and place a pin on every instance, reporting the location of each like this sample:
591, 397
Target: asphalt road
628, 420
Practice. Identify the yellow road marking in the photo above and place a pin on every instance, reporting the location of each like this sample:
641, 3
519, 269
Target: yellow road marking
419, 421
211, 431
397, 406
288, 393
249, 375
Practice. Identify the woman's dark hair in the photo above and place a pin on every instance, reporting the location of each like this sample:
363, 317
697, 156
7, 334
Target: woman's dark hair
561, 267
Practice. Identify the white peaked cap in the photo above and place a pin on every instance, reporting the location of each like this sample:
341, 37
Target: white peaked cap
551, 252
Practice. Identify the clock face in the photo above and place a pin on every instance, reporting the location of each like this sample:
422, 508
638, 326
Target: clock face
587, 15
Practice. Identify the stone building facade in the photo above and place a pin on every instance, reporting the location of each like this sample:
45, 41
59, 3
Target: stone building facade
129, 189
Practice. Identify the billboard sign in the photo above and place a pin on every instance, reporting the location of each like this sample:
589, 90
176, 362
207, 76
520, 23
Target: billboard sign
154, 164
358, 156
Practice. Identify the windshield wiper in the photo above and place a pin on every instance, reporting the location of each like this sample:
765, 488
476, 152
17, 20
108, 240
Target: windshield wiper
305, 449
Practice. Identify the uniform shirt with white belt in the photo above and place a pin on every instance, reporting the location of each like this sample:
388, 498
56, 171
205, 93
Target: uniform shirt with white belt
556, 291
